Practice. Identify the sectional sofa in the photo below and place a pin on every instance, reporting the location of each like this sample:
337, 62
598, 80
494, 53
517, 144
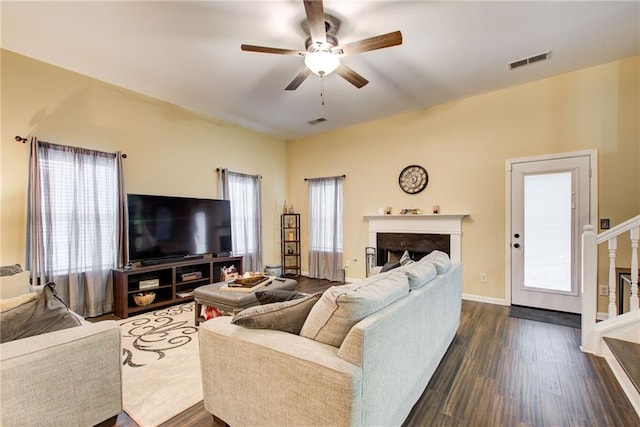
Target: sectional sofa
363, 356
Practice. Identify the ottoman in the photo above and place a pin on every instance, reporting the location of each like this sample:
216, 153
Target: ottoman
229, 302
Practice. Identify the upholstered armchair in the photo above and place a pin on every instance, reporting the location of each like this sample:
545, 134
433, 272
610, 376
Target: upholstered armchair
70, 376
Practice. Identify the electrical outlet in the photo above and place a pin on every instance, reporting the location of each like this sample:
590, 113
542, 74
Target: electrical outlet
483, 277
603, 290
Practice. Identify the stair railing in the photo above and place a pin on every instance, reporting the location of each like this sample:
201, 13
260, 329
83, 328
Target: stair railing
589, 277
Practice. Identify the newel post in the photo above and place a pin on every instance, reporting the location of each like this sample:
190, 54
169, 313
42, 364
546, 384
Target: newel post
635, 235
613, 247
589, 289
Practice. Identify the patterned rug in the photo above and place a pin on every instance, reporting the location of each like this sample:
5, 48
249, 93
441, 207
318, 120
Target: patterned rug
161, 364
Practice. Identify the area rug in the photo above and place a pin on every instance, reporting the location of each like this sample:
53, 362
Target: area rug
161, 364
548, 316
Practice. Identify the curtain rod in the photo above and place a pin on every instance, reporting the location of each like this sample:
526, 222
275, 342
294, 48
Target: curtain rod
325, 177
23, 140
240, 173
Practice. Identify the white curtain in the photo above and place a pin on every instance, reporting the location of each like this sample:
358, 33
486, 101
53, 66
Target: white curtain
325, 228
74, 226
244, 193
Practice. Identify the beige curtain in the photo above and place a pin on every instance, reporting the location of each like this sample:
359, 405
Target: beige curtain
244, 192
325, 228
75, 221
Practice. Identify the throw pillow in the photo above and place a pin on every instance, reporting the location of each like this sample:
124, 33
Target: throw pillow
440, 260
287, 316
341, 307
277, 295
406, 258
14, 285
419, 273
9, 303
47, 313
10, 270
389, 266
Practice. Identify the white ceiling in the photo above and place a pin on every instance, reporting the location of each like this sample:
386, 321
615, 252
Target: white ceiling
188, 52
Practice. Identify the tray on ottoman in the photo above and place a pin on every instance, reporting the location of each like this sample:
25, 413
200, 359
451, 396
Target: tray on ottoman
247, 284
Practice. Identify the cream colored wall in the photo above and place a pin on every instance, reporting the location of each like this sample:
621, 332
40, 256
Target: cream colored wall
464, 146
171, 151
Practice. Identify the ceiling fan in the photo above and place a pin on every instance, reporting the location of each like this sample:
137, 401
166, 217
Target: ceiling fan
323, 53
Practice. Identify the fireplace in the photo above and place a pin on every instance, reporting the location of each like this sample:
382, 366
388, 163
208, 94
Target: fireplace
391, 235
391, 246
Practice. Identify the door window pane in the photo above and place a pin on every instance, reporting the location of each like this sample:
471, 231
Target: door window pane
547, 231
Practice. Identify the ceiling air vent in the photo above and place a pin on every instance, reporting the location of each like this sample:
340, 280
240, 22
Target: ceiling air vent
316, 121
530, 60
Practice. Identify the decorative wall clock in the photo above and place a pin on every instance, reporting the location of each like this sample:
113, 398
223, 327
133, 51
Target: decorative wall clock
413, 179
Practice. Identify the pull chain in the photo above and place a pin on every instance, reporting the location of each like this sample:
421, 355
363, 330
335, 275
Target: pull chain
322, 89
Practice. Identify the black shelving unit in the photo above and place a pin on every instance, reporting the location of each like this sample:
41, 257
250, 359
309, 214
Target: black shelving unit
290, 246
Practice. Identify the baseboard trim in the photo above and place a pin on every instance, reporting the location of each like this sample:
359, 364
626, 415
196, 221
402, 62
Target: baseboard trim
488, 300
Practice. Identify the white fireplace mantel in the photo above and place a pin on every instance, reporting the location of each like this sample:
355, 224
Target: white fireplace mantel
450, 224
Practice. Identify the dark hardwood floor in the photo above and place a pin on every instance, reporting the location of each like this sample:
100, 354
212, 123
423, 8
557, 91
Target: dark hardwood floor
500, 371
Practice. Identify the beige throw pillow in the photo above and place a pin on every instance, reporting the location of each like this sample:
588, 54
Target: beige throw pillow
341, 307
14, 285
406, 258
9, 303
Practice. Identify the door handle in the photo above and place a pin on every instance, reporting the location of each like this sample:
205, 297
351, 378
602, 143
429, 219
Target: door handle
516, 245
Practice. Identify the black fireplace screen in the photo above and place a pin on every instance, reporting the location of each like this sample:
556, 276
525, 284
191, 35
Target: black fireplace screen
391, 246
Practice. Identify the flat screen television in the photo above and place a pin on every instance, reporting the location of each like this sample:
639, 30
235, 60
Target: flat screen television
163, 228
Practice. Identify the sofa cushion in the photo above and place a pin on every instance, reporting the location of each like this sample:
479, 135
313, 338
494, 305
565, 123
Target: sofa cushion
14, 285
440, 260
287, 316
277, 295
47, 313
419, 273
341, 307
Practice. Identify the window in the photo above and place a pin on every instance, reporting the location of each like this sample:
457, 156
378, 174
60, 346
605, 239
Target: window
325, 203
244, 193
79, 210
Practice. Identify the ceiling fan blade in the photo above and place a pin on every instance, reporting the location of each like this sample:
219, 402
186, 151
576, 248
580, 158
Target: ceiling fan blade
297, 81
315, 20
373, 43
264, 49
351, 76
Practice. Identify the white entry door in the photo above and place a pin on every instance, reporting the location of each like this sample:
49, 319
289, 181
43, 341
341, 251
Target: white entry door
550, 204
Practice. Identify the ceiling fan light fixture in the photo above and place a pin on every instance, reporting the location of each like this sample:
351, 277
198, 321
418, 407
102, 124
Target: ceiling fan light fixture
322, 62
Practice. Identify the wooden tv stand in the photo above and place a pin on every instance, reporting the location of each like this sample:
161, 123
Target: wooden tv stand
171, 288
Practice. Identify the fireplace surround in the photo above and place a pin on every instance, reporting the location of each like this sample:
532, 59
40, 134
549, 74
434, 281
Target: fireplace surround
391, 235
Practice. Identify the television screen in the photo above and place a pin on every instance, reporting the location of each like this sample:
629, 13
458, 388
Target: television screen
177, 227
